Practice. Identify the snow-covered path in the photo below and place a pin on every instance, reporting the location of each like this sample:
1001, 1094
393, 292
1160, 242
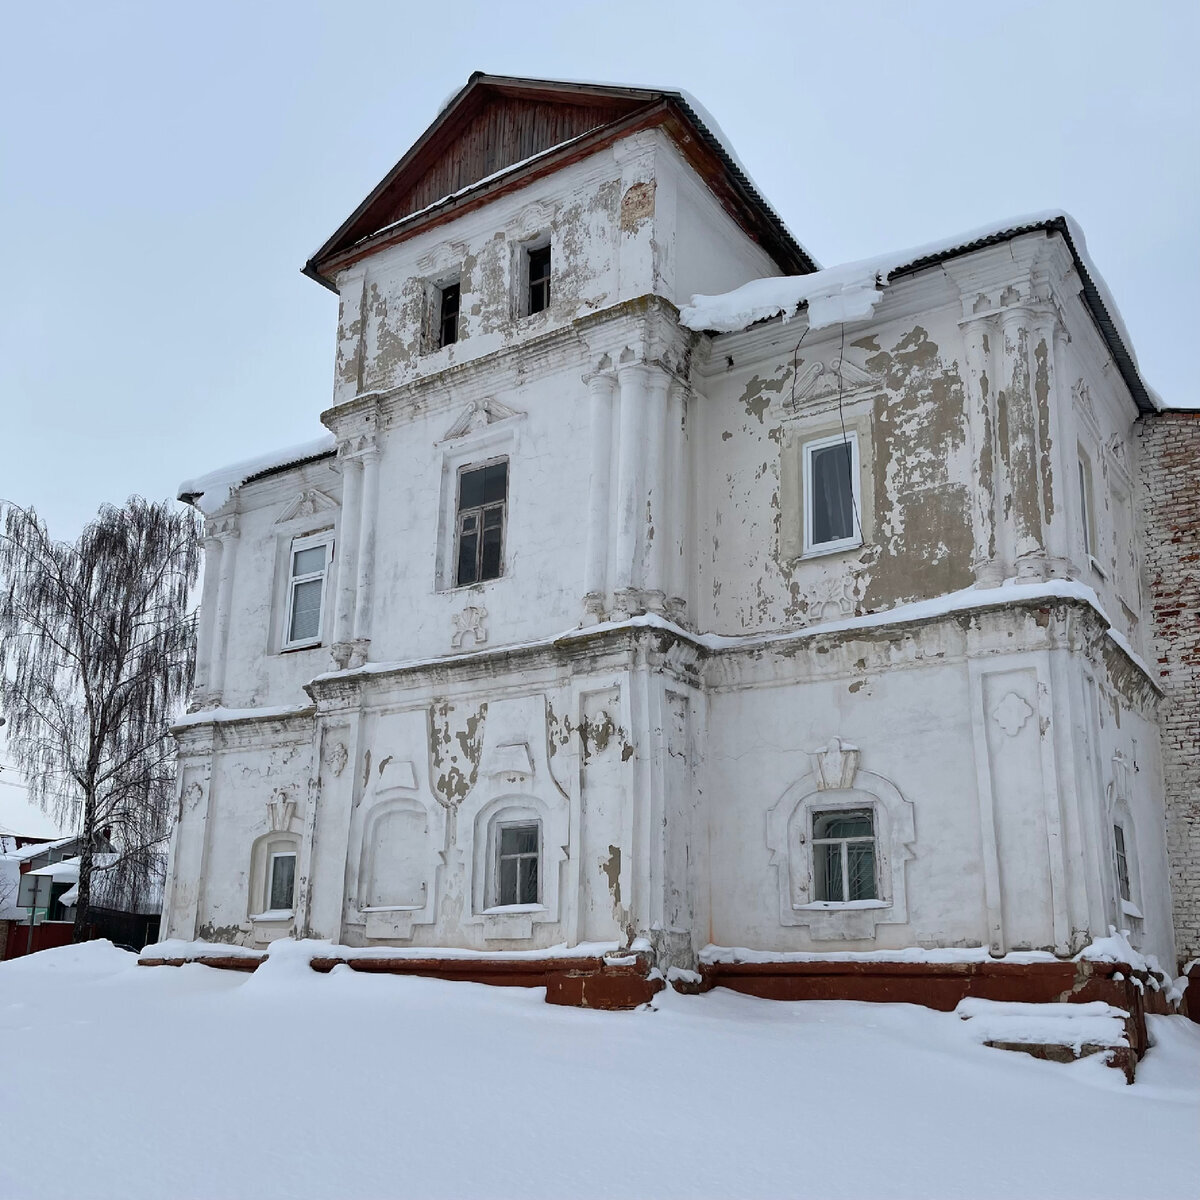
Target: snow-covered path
133, 1082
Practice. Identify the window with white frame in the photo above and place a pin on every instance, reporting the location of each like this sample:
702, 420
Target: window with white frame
518, 855
1087, 504
281, 881
481, 511
831, 494
843, 848
1122, 860
309, 562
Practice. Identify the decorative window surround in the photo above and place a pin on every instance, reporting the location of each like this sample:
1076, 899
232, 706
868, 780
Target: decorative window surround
485, 432
834, 784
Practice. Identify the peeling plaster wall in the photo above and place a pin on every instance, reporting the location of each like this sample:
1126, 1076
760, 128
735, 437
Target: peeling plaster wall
650, 467
1009, 734
902, 394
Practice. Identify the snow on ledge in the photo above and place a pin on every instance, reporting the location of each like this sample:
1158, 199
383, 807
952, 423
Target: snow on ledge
222, 716
851, 291
188, 951
913, 954
212, 491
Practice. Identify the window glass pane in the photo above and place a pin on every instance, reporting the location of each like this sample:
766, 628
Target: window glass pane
495, 482
519, 839
467, 545
529, 880
830, 494
1122, 862
827, 871
493, 518
856, 823
283, 879
307, 562
306, 610
861, 869
508, 881
490, 567
470, 489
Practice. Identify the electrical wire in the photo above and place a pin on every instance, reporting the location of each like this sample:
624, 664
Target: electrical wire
845, 435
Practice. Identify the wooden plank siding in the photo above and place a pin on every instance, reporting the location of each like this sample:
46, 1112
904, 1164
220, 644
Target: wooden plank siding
500, 132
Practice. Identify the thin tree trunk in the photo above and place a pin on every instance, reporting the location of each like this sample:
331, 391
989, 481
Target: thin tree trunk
83, 903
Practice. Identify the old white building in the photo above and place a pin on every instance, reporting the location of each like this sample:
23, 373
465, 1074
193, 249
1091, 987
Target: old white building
806, 618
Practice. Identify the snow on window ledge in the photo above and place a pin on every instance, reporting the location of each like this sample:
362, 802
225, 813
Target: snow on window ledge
273, 914
1131, 910
840, 905
505, 909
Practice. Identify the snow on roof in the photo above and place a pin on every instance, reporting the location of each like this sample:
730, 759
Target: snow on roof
66, 871
28, 852
210, 492
851, 291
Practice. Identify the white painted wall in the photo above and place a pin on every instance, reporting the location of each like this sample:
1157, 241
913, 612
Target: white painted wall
656, 470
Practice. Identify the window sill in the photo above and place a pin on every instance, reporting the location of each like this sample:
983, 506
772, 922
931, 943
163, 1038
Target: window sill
393, 908
301, 648
1097, 567
841, 905
273, 915
504, 909
832, 548
1129, 909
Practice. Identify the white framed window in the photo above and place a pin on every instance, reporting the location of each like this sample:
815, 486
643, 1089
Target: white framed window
1087, 505
309, 561
832, 501
518, 864
281, 881
843, 850
481, 513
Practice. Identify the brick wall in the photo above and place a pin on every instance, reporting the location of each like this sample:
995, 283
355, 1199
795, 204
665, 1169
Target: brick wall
1169, 515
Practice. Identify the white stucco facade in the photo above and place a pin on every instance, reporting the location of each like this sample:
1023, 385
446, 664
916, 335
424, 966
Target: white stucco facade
668, 681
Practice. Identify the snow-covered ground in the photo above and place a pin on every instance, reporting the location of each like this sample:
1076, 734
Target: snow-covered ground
120, 1081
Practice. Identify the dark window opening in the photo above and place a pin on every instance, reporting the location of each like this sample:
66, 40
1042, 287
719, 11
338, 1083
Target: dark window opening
1122, 862
518, 866
539, 279
482, 500
448, 314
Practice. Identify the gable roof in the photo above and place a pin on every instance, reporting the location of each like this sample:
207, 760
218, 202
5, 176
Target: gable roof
500, 132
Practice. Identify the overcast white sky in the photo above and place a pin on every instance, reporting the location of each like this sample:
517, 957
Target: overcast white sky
166, 170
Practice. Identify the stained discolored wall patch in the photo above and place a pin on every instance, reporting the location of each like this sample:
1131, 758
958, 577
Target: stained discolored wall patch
637, 205
924, 541
455, 744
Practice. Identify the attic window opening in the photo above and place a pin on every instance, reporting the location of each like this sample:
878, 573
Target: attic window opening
448, 308
539, 279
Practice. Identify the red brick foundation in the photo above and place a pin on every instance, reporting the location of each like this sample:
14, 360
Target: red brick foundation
578, 982
942, 985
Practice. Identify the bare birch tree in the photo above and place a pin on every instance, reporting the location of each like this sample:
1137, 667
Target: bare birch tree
97, 652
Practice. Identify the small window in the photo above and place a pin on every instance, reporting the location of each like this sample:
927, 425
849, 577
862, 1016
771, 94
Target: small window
1122, 862
310, 559
482, 501
448, 305
844, 855
831, 494
282, 883
539, 279
1087, 508
518, 852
